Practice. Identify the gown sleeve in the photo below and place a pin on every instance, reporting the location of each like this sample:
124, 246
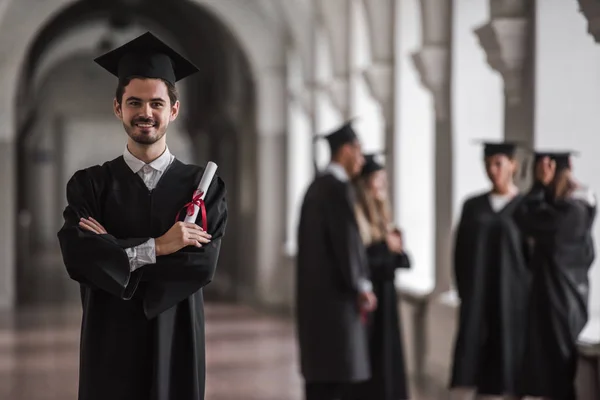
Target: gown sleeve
589, 202
539, 216
345, 242
383, 262
175, 277
98, 261
536, 214
461, 249
402, 261
142, 254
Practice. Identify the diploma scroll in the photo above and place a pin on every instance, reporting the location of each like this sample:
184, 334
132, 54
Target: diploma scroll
197, 204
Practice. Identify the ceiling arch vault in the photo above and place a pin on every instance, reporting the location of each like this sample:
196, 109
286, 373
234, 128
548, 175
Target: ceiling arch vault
90, 27
197, 25
236, 45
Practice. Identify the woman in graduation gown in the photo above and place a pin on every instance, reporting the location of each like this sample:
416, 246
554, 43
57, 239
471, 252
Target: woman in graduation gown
492, 281
385, 255
557, 215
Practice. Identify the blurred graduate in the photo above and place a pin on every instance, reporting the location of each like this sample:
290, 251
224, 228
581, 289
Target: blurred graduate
333, 291
385, 253
557, 215
492, 280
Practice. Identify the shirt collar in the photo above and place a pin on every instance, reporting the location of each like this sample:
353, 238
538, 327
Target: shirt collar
338, 172
160, 164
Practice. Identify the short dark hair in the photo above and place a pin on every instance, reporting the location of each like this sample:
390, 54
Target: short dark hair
173, 95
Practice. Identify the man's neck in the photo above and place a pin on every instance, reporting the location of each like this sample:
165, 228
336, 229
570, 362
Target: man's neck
509, 190
341, 165
146, 153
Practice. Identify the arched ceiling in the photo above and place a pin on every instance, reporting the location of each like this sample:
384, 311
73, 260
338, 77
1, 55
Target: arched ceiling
25, 37
80, 39
82, 26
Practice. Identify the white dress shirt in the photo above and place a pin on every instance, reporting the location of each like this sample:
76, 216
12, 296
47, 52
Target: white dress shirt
151, 173
499, 201
339, 173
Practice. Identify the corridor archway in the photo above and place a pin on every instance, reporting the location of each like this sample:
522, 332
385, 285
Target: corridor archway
60, 94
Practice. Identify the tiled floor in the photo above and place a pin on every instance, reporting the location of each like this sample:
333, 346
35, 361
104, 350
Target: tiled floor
249, 356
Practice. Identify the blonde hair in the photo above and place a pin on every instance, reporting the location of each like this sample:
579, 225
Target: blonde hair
563, 184
373, 215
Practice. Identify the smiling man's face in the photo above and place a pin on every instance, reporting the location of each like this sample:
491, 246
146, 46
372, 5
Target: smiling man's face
146, 110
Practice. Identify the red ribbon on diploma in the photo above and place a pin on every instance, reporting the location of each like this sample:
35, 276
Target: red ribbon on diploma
189, 207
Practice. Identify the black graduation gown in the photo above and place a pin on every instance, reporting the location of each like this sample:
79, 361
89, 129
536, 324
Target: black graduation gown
562, 253
331, 259
492, 281
388, 380
142, 335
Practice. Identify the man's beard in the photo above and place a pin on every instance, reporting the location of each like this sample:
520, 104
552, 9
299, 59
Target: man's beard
143, 138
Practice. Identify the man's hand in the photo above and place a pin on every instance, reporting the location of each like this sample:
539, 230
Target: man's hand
90, 224
180, 235
545, 170
367, 302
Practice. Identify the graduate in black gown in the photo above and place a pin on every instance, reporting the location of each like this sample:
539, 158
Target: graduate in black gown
385, 254
141, 273
557, 215
492, 281
333, 291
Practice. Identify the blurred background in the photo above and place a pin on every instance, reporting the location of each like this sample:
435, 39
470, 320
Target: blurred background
424, 79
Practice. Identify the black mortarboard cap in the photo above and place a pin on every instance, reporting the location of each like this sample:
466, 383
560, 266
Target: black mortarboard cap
146, 56
493, 148
561, 158
343, 135
372, 163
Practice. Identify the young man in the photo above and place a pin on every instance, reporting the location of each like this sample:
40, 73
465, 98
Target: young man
492, 282
558, 216
141, 272
333, 291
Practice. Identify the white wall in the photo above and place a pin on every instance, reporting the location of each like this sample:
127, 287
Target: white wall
300, 170
568, 98
415, 174
477, 101
41, 170
299, 149
369, 124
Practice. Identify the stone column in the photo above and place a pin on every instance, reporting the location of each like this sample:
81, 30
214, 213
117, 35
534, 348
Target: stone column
433, 63
270, 226
8, 183
316, 75
337, 17
508, 42
381, 74
591, 11
7, 222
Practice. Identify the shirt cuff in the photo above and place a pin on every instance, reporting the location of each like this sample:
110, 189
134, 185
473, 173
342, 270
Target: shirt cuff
365, 285
142, 255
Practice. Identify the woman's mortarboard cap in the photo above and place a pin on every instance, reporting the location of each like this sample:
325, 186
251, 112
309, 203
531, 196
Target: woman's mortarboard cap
146, 56
372, 163
561, 158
